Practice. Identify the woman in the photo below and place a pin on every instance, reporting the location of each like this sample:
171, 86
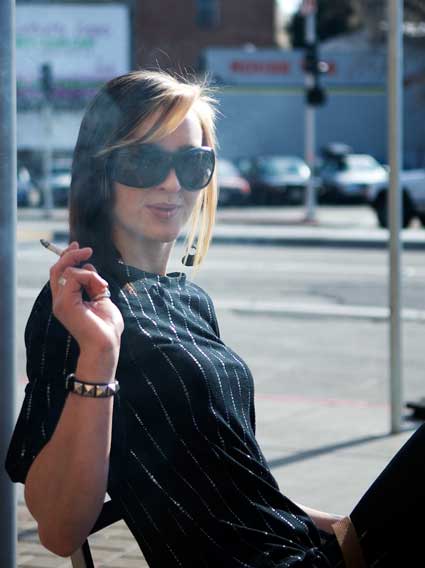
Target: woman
175, 448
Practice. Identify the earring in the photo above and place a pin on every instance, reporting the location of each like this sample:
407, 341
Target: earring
189, 257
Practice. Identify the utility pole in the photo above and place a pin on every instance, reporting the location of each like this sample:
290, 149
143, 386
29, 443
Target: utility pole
8, 171
395, 147
46, 81
315, 95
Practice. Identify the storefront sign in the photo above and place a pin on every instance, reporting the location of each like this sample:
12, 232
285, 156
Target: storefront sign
85, 45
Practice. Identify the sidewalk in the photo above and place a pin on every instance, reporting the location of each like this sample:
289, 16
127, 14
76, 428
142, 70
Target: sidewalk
285, 226
323, 452
328, 462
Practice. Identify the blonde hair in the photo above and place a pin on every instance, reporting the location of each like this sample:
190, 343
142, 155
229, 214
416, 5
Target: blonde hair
153, 103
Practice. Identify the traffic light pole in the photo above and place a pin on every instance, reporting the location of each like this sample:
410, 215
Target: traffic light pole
46, 80
46, 118
310, 121
7, 275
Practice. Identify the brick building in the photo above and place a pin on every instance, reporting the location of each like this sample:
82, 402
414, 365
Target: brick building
172, 33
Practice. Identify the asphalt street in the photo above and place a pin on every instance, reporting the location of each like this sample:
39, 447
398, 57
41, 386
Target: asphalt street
312, 323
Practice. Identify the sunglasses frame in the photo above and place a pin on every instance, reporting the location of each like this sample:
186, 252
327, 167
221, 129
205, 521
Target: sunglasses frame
119, 173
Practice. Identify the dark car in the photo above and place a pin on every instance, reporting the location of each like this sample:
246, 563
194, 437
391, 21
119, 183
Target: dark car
233, 188
276, 179
60, 180
28, 194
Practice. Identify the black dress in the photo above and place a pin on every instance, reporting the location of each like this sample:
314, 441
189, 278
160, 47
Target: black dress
185, 466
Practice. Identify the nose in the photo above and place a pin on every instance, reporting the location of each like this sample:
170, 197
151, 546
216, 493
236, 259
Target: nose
171, 182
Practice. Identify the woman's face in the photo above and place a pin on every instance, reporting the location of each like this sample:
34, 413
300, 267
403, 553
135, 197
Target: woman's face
157, 213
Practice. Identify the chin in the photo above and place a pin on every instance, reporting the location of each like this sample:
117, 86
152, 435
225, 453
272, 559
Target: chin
166, 236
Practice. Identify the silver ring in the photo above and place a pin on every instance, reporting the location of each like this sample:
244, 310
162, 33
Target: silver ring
101, 296
62, 281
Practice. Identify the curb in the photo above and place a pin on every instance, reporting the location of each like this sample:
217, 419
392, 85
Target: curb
295, 241
300, 241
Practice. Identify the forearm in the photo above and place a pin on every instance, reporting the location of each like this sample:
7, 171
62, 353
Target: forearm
66, 484
322, 520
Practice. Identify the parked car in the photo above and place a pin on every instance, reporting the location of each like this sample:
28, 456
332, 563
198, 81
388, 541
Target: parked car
345, 176
413, 188
28, 195
233, 189
276, 179
59, 180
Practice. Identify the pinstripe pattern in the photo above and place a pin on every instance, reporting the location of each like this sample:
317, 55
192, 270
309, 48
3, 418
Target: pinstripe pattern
185, 466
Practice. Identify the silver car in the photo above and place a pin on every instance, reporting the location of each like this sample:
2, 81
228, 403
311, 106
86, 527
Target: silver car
348, 177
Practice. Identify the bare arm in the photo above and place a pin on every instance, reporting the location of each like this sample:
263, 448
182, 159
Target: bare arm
66, 484
322, 520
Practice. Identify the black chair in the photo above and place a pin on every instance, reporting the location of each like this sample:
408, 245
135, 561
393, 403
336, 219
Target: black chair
109, 515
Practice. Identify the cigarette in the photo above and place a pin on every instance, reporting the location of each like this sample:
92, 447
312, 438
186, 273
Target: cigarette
50, 246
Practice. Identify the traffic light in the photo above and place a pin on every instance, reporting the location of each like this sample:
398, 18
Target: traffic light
310, 59
315, 94
46, 80
208, 14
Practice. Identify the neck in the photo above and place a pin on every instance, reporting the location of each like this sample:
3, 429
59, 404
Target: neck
150, 256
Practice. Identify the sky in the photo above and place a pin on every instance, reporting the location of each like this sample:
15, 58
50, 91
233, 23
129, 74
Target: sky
289, 6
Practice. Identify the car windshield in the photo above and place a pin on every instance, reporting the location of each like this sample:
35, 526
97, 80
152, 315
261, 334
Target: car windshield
226, 168
360, 162
279, 166
61, 171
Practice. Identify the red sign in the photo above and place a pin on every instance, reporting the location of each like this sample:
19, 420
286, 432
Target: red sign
261, 67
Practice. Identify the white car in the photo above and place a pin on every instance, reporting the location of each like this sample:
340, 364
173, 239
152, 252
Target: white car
413, 188
348, 177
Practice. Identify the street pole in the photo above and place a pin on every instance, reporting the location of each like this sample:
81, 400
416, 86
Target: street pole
46, 118
310, 115
46, 80
395, 147
8, 170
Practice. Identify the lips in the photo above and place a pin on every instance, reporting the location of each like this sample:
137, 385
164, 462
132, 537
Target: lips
163, 210
165, 206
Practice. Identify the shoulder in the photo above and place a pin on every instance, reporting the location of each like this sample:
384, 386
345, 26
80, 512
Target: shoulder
207, 309
199, 290
41, 310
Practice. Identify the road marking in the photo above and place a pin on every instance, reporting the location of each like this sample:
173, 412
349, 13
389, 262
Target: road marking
316, 310
307, 267
277, 308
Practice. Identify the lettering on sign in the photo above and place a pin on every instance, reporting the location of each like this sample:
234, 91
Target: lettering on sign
272, 67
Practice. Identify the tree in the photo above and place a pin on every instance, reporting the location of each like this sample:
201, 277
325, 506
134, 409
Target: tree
345, 16
333, 18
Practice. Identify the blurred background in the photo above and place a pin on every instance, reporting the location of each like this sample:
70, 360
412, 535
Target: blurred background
299, 267
256, 55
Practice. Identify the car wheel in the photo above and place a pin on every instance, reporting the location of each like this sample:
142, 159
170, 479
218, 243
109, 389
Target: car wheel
261, 198
381, 209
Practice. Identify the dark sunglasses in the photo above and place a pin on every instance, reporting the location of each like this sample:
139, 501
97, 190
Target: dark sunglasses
147, 165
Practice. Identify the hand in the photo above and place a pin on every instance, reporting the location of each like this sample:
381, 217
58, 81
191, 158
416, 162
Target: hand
95, 325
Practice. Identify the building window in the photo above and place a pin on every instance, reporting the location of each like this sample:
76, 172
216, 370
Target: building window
207, 14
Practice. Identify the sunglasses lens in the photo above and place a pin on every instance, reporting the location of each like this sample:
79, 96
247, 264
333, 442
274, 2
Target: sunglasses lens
148, 166
140, 168
195, 168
